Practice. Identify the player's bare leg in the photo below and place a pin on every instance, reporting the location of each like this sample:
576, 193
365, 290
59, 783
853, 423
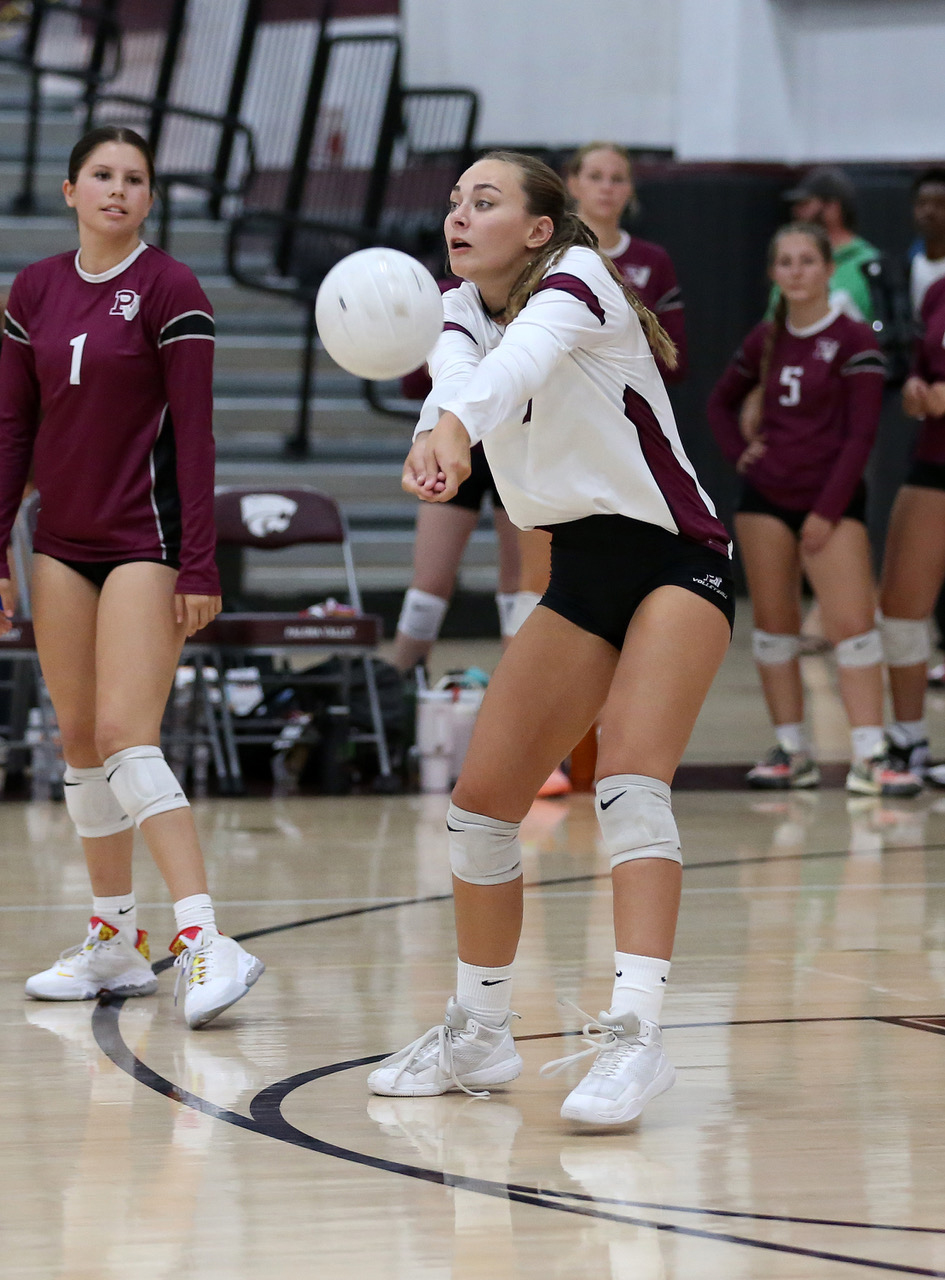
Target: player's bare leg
139, 646
115, 954
772, 568
442, 533
913, 571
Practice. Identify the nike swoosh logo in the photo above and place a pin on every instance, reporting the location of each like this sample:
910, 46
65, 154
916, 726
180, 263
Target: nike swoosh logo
123, 911
457, 830
493, 982
619, 973
605, 804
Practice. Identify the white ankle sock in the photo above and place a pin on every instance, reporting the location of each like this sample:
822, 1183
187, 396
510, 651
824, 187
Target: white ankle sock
120, 912
792, 737
906, 733
868, 741
639, 985
485, 993
195, 910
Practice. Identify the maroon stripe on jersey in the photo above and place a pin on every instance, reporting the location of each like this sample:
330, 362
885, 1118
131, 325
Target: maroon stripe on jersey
577, 288
693, 518
458, 328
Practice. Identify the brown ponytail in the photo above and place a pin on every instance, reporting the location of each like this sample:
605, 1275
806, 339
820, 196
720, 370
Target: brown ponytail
546, 197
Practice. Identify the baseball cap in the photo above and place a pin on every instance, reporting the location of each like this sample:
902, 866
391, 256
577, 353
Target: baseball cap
823, 183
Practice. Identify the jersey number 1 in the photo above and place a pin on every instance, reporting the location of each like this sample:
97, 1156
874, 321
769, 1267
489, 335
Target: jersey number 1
75, 372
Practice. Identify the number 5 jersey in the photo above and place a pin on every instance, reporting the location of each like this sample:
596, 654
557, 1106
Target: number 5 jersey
106, 389
822, 397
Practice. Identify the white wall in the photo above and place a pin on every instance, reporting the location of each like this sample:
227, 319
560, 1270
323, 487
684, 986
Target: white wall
556, 72
789, 80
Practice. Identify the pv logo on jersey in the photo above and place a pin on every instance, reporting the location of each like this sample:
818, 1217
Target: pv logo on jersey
826, 349
126, 304
264, 513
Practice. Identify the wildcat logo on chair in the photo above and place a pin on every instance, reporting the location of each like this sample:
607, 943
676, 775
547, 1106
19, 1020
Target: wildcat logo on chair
264, 513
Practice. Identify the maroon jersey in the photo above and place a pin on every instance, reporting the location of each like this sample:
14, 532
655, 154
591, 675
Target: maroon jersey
822, 398
929, 363
105, 387
648, 270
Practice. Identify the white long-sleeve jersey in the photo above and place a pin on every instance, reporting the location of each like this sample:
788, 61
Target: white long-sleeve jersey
569, 404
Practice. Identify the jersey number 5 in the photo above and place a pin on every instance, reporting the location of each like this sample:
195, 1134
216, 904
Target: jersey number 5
75, 372
791, 378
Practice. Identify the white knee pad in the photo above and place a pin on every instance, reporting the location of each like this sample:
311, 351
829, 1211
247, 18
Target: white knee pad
860, 651
91, 803
636, 818
906, 641
483, 850
770, 650
522, 605
421, 615
143, 782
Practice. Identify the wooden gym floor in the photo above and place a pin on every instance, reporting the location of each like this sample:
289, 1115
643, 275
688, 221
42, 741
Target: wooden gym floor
804, 1139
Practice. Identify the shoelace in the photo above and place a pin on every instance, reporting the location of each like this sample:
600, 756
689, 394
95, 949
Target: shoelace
611, 1049
443, 1037
191, 966
92, 941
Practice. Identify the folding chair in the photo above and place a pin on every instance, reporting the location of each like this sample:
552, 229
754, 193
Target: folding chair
268, 519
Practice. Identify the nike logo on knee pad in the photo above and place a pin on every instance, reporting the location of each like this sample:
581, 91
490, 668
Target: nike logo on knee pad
605, 804
493, 982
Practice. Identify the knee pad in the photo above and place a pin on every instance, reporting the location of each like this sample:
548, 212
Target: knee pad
483, 850
421, 615
906, 641
521, 606
770, 650
91, 803
143, 783
865, 650
636, 819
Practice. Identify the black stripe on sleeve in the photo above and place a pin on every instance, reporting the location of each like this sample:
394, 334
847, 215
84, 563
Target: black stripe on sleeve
13, 329
865, 362
191, 324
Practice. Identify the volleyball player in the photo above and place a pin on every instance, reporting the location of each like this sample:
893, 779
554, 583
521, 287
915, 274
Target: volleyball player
105, 390
599, 178
914, 564
547, 358
802, 508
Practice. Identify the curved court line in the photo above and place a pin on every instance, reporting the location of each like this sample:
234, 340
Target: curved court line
268, 1121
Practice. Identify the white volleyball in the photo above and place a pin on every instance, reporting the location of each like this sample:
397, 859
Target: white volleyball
379, 313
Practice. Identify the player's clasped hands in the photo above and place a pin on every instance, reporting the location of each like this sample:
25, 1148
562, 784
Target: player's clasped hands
195, 612
438, 462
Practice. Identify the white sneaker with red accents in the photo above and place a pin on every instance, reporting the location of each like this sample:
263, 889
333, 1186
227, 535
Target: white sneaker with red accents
109, 962
215, 971
630, 1069
882, 775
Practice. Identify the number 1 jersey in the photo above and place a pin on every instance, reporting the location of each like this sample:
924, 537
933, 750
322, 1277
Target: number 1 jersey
106, 387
